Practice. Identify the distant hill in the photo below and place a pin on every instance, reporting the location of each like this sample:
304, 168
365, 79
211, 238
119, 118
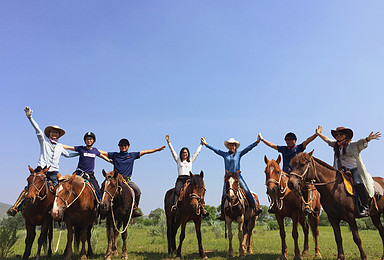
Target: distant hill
3, 208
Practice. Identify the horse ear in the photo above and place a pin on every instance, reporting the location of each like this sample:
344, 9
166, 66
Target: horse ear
310, 154
278, 159
266, 159
202, 174
30, 169
104, 173
190, 174
58, 175
115, 174
72, 177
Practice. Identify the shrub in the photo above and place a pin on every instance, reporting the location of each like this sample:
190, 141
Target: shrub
8, 235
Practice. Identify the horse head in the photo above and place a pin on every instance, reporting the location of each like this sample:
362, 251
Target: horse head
232, 186
37, 184
303, 170
196, 191
110, 188
275, 178
65, 195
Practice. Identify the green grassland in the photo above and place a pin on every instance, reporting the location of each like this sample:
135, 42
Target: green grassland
146, 242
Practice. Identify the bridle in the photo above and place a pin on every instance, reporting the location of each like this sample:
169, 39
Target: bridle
282, 189
236, 193
69, 195
42, 186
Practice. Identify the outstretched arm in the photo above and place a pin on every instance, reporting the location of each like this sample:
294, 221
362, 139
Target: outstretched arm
104, 155
168, 138
67, 147
309, 139
151, 151
217, 151
319, 129
270, 144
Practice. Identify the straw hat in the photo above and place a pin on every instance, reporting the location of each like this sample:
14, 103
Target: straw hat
348, 132
231, 141
53, 127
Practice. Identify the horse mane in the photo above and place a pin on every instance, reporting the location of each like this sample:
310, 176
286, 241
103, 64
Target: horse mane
197, 181
38, 169
322, 163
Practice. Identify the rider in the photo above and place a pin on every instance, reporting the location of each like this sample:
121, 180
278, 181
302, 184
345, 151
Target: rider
86, 165
123, 163
347, 157
232, 164
289, 151
50, 151
184, 167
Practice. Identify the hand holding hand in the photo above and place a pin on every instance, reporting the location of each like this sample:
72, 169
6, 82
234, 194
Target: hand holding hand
319, 129
258, 138
160, 148
167, 138
203, 141
28, 112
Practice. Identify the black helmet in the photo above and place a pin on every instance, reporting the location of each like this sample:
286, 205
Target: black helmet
290, 135
91, 135
124, 142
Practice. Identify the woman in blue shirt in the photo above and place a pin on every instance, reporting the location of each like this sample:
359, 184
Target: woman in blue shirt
232, 164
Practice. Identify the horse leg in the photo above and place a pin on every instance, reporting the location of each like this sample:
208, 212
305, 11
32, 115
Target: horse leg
305, 227
114, 243
376, 221
68, 248
198, 235
50, 236
240, 236
250, 226
356, 238
31, 233
124, 254
89, 235
280, 221
175, 227
83, 238
314, 223
230, 235
339, 240
42, 239
110, 236
182, 236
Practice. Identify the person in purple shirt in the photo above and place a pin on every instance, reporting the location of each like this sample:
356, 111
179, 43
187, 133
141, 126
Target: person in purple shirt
123, 163
288, 152
86, 165
232, 164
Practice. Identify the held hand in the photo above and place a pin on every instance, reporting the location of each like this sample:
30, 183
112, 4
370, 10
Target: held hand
28, 112
319, 129
167, 138
372, 136
260, 136
160, 149
203, 141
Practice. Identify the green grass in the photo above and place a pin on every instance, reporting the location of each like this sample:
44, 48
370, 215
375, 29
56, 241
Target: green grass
266, 244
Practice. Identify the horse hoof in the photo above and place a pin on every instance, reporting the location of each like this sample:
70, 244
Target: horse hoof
283, 257
304, 253
204, 257
124, 256
318, 255
83, 257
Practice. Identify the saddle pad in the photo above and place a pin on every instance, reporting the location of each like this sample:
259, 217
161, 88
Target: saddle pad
97, 195
347, 183
242, 192
182, 191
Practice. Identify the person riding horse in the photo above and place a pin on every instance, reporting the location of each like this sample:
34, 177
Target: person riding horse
184, 167
232, 164
123, 163
86, 165
50, 151
347, 158
289, 151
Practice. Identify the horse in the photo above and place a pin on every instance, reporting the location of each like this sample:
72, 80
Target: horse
75, 202
235, 210
337, 203
38, 203
117, 202
287, 203
190, 208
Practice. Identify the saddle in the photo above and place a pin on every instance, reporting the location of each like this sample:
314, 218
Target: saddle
348, 180
182, 191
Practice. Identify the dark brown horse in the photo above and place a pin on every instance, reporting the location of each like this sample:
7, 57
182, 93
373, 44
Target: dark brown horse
236, 210
338, 204
76, 204
38, 203
190, 208
117, 204
287, 203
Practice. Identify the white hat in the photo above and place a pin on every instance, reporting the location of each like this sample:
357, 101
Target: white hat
232, 141
53, 127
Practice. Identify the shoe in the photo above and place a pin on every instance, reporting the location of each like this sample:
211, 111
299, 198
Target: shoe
271, 210
11, 212
258, 211
307, 210
364, 212
221, 217
205, 214
136, 213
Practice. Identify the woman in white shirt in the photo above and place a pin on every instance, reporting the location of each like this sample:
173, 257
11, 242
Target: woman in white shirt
184, 167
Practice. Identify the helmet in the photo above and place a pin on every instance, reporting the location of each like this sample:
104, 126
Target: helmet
124, 142
91, 135
291, 136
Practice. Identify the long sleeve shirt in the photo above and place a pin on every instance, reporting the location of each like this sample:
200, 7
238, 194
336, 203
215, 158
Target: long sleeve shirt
49, 152
231, 160
184, 167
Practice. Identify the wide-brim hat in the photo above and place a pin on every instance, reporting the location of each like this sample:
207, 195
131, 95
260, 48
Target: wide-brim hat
231, 141
348, 132
54, 127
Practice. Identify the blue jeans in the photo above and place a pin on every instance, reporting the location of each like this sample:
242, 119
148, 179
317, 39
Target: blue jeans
244, 186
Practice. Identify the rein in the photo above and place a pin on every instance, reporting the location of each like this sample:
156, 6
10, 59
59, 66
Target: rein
69, 195
42, 186
281, 189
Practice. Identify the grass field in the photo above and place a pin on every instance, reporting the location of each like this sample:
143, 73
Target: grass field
144, 244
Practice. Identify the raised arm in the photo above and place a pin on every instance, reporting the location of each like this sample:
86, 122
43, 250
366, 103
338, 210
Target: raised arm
28, 112
270, 144
174, 154
217, 151
104, 155
309, 139
151, 151
319, 129
373, 136
193, 158
251, 146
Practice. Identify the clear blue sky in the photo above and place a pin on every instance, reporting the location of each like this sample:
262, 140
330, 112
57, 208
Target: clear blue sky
219, 69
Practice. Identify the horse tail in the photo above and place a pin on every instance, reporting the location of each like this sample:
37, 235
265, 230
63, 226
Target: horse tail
77, 238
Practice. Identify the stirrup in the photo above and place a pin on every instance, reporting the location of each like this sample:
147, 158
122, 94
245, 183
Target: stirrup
12, 211
307, 210
174, 209
221, 217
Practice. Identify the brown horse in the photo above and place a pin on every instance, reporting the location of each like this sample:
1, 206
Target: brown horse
287, 203
338, 204
190, 208
235, 210
117, 203
38, 203
76, 204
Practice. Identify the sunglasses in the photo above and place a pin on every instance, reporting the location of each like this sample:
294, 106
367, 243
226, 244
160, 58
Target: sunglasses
338, 134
